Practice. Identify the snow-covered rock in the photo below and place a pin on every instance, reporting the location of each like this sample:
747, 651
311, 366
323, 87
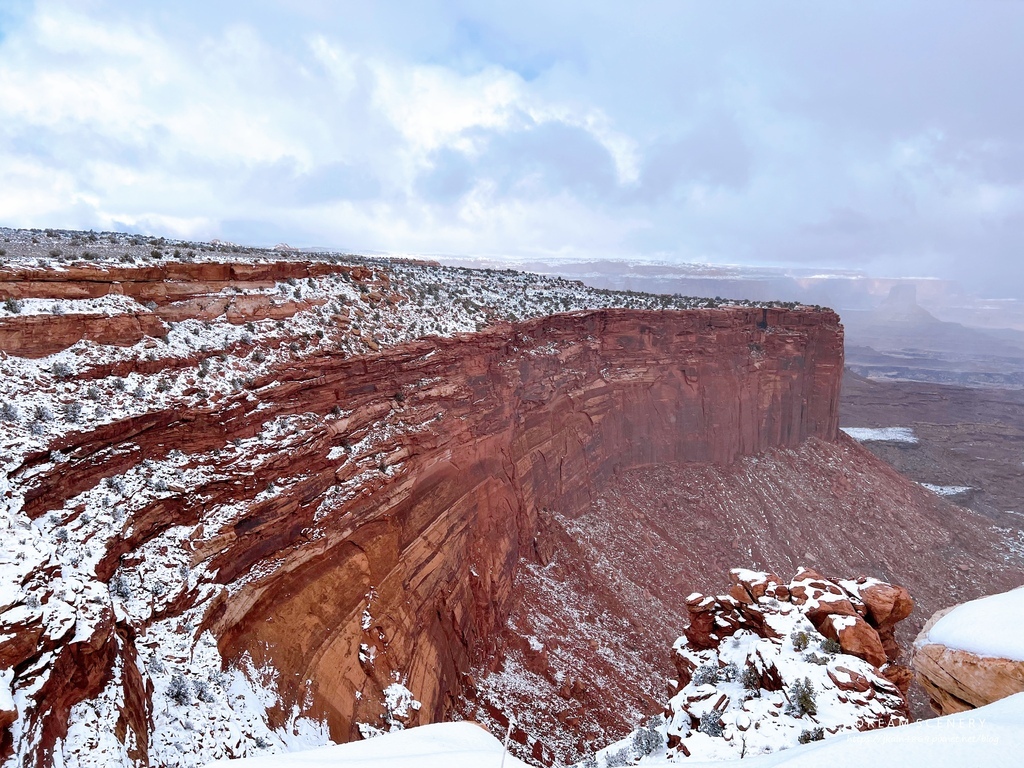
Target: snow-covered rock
973, 654
772, 665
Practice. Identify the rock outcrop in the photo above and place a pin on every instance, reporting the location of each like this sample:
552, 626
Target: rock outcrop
759, 669
958, 679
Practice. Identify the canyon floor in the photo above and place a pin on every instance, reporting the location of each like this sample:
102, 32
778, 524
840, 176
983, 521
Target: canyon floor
968, 438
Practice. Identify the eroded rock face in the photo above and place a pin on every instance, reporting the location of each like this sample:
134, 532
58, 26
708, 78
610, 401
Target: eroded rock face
356, 523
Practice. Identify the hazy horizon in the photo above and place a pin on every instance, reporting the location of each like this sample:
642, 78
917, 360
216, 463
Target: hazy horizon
880, 137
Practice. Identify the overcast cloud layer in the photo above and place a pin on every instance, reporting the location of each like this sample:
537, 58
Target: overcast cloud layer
878, 135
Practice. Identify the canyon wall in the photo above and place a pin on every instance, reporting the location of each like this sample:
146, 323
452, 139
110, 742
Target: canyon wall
375, 537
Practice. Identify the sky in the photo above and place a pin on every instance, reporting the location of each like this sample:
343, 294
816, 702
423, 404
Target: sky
883, 136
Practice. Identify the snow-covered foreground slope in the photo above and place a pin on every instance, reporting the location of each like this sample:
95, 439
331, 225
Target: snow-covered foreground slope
442, 745
990, 736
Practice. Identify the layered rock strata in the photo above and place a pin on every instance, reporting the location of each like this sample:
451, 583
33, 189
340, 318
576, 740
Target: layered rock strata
356, 523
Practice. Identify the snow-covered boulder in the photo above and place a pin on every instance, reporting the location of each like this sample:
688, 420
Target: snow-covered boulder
973, 654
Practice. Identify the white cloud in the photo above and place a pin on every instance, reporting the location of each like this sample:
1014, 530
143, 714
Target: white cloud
781, 135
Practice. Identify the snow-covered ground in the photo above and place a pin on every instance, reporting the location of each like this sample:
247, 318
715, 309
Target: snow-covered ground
442, 745
990, 626
881, 435
947, 490
989, 736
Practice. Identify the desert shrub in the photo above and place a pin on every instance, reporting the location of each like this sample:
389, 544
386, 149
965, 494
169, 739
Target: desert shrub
119, 385
139, 393
813, 658
203, 691
73, 411
179, 691
831, 647
93, 393
9, 412
163, 384
750, 679
43, 413
815, 734
159, 485
648, 738
119, 587
56, 309
617, 759
61, 534
800, 641
729, 672
802, 698
12, 305
706, 674
62, 370
711, 723
55, 253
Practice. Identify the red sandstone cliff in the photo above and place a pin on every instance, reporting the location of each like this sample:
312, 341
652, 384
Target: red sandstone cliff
454, 447
345, 523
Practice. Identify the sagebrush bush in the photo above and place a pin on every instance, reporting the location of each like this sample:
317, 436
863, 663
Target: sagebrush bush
815, 734
617, 759
9, 412
831, 646
711, 723
62, 370
802, 698
73, 411
706, 674
179, 690
800, 641
119, 587
648, 738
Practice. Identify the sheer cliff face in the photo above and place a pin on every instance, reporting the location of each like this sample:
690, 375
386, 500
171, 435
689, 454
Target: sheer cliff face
412, 572
353, 523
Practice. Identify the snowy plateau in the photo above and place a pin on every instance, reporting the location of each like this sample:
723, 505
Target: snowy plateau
182, 575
